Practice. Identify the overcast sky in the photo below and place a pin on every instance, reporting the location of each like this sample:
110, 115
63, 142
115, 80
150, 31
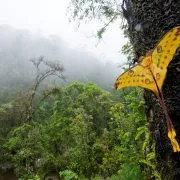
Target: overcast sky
48, 17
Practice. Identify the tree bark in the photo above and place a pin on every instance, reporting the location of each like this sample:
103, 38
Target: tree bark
148, 21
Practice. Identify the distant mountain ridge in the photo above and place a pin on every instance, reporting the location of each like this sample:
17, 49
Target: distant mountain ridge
17, 47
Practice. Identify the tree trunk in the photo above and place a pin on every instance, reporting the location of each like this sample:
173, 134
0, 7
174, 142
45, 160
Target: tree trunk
148, 21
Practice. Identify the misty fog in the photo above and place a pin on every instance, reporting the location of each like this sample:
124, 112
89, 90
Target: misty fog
18, 46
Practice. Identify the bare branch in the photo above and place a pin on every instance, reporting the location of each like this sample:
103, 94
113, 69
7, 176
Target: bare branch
53, 69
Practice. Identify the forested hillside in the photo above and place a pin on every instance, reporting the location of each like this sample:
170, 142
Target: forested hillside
54, 129
79, 132
18, 47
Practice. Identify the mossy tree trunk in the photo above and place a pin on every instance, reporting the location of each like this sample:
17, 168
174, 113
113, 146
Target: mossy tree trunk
148, 21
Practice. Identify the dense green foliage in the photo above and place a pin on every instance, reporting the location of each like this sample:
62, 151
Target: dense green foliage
81, 132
